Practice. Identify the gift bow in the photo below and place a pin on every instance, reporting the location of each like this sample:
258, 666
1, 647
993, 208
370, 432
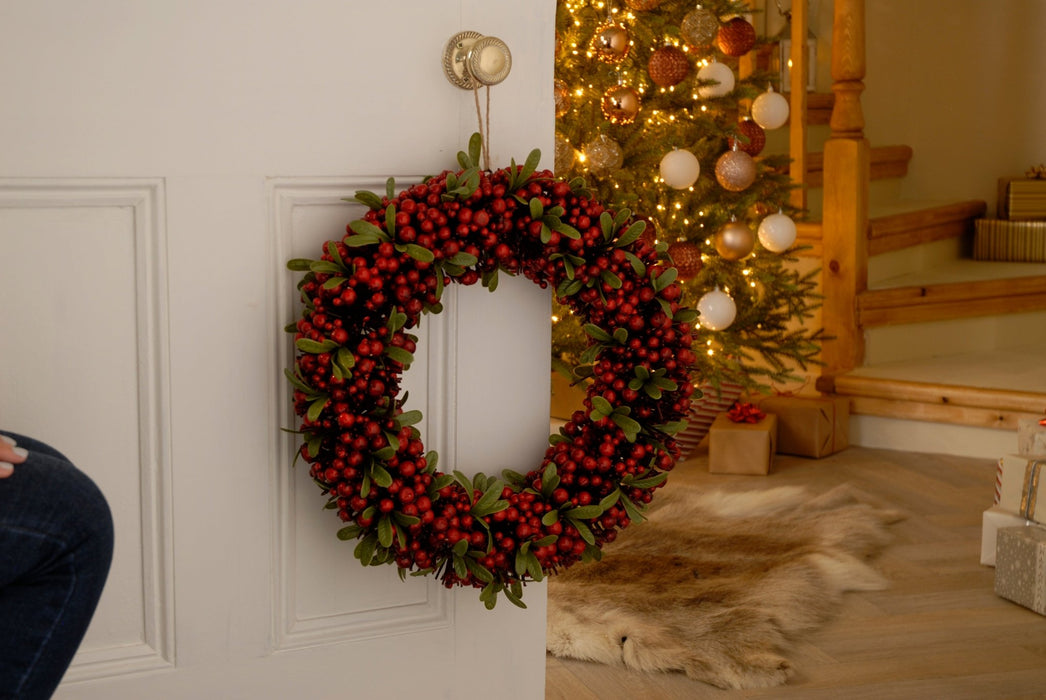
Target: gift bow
1036, 172
743, 412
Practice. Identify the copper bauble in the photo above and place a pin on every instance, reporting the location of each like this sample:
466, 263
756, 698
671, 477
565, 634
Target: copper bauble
734, 241
735, 170
699, 27
736, 37
649, 235
686, 256
620, 104
611, 43
754, 137
668, 66
641, 5
561, 93
603, 155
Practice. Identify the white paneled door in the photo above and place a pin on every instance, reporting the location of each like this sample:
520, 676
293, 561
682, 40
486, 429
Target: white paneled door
159, 162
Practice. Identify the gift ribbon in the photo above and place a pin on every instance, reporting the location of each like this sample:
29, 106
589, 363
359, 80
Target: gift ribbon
743, 412
1030, 490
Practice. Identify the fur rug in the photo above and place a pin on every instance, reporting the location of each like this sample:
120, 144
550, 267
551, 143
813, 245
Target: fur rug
717, 585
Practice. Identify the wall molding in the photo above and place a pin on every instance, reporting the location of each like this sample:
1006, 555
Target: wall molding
434, 610
146, 199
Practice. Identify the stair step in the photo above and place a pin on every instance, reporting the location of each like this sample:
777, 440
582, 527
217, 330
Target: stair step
963, 289
986, 389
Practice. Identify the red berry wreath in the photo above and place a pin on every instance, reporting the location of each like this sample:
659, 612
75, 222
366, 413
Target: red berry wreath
370, 288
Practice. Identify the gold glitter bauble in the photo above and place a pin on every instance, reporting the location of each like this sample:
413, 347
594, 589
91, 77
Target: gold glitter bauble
603, 155
565, 155
620, 104
561, 93
735, 170
611, 43
668, 66
699, 27
686, 257
734, 241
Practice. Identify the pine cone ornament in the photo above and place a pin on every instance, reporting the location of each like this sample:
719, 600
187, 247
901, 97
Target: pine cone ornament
668, 66
736, 37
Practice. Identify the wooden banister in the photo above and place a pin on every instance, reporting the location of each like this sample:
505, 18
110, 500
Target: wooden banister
797, 104
847, 173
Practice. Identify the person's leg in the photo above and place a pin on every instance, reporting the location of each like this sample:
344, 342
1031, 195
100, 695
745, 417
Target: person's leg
56, 544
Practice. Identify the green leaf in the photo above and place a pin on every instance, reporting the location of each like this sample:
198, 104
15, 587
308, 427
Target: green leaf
418, 252
460, 547
568, 288
465, 484
601, 406
475, 148
408, 418
611, 279
673, 428
490, 496
297, 382
480, 572
463, 259
334, 282
489, 279
634, 513
637, 264
390, 219
536, 208
349, 532
316, 408
345, 358
685, 316
404, 519
390, 188
365, 549
628, 426
368, 199
597, 333
399, 355
550, 518
631, 234
311, 346
584, 532
530, 165
610, 499
299, 264
385, 531
664, 279
327, 267
606, 225
546, 234
549, 479
381, 476
646, 483
620, 336
515, 598
583, 512
367, 230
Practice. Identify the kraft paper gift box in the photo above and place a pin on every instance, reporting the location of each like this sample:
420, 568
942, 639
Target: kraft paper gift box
810, 426
742, 448
993, 520
1020, 567
1031, 437
1021, 487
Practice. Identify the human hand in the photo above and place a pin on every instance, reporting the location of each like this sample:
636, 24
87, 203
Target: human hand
10, 455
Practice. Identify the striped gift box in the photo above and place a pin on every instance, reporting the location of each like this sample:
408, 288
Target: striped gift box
703, 412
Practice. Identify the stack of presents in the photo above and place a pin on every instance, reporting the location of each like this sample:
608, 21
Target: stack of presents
1013, 532
1018, 234
744, 434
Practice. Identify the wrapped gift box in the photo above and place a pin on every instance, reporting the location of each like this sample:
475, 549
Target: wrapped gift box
1009, 241
1020, 566
742, 448
1021, 486
993, 520
1022, 198
1031, 437
810, 426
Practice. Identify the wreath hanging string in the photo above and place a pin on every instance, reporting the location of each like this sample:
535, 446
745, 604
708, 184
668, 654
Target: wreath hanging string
368, 290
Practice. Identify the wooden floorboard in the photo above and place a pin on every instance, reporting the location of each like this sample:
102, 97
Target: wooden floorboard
939, 631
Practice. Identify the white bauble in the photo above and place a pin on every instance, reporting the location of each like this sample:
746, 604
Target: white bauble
679, 169
721, 73
777, 232
717, 310
770, 110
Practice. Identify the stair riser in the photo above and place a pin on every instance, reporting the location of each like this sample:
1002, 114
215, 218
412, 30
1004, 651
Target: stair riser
941, 338
931, 438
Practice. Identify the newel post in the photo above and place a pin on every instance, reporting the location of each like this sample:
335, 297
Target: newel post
846, 185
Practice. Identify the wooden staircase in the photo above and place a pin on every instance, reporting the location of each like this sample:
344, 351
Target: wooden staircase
937, 352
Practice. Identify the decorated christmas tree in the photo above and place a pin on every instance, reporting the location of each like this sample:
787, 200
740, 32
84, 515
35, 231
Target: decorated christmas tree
663, 109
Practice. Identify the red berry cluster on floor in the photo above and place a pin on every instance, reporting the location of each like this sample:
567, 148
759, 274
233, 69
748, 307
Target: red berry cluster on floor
369, 289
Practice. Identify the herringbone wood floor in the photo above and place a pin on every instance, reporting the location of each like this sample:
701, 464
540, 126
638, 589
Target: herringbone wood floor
938, 632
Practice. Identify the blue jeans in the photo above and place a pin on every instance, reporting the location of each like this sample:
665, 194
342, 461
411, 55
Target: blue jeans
56, 544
